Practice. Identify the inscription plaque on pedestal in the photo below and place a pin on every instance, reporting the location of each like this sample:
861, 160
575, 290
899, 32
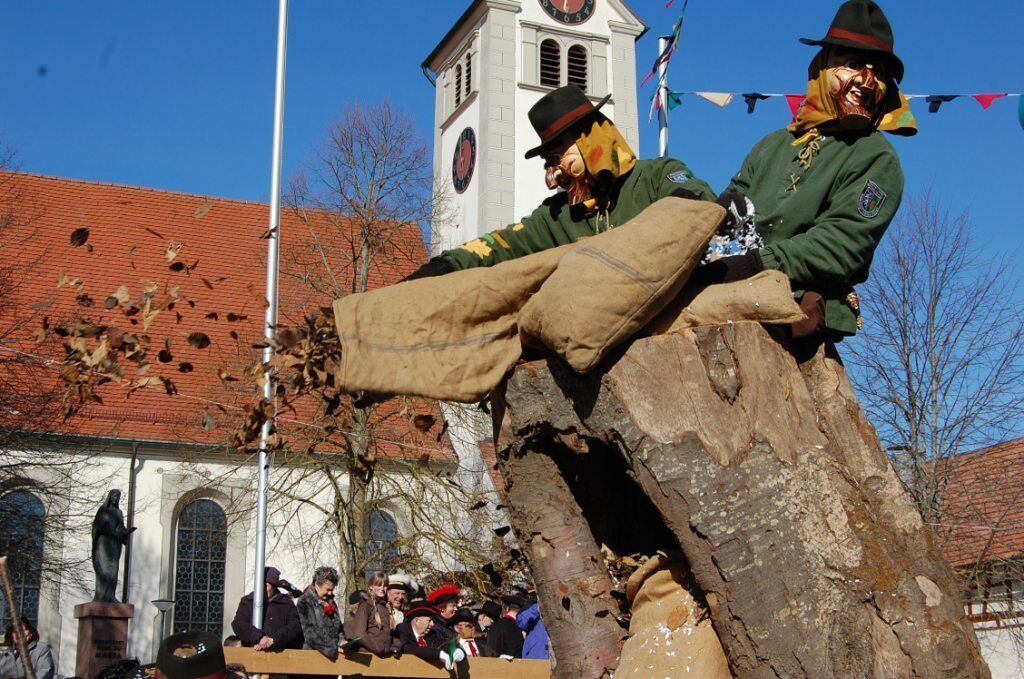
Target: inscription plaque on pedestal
102, 635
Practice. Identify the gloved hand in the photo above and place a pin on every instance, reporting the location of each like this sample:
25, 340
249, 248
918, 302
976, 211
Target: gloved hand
813, 305
459, 655
727, 269
447, 660
737, 209
435, 267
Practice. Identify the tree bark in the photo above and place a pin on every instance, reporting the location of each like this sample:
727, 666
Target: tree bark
810, 553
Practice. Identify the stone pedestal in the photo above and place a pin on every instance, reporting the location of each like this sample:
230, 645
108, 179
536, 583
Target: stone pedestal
102, 635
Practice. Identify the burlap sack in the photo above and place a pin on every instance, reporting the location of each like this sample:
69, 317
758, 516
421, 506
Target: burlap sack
452, 337
766, 297
609, 286
670, 634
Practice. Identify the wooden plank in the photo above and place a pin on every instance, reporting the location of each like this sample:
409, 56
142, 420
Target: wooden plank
368, 665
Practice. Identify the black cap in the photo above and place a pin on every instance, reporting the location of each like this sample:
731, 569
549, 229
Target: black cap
356, 597
557, 111
861, 24
190, 655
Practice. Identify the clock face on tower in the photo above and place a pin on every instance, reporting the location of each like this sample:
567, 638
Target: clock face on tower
464, 160
570, 12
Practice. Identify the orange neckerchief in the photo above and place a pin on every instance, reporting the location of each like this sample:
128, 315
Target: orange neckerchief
819, 109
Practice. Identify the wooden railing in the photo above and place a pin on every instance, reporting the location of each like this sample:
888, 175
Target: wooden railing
368, 665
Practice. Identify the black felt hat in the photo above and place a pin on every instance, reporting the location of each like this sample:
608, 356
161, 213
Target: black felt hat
861, 24
462, 615
490, 609
191, 655
557, 111
420, 607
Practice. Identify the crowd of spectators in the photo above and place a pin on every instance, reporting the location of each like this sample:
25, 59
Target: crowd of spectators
392, 616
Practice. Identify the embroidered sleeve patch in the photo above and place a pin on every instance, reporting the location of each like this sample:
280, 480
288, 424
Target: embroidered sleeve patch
871, 199
679, 177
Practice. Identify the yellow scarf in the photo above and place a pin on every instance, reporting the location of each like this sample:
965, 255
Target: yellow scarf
819, 109
604, 149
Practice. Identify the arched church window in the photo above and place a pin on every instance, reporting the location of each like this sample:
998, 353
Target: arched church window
458, 85
550, 63
469, 73
381, 542
576, 66
202, 541
22, 526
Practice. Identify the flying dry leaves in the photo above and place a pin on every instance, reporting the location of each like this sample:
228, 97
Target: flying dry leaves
79, 237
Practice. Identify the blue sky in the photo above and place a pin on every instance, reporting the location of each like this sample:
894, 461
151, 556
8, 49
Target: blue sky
179, 95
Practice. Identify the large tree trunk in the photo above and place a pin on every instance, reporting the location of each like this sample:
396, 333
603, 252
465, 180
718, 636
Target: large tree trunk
812, 557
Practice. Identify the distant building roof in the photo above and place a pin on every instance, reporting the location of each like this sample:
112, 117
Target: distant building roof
983, 505
222, 283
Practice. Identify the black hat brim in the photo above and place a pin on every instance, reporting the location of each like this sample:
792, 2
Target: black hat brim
894, 61
537, 150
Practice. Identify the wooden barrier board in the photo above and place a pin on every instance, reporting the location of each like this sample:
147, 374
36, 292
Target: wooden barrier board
368, 665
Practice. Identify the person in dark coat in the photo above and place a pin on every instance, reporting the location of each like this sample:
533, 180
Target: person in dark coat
417, 636
486, 615
504, 637
372, 621
281, 628
472, 643
319, 615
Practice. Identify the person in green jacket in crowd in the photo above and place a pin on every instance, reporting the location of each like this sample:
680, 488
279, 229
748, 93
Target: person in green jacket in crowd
604, 185
822, 191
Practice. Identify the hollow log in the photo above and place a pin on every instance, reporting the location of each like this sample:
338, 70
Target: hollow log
813, 559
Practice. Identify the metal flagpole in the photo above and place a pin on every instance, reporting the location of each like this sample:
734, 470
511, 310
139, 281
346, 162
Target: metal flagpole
663, 98
271, 316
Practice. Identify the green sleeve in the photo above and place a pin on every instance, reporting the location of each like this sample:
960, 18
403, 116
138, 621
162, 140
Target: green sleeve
674, 174
843, 239
534, 233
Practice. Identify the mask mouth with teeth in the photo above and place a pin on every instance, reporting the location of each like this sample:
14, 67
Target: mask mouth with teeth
856, 89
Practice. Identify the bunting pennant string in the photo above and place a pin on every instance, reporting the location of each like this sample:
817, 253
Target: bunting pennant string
935, 101
670, 46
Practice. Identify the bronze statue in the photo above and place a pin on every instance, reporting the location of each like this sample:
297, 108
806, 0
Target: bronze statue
109, 534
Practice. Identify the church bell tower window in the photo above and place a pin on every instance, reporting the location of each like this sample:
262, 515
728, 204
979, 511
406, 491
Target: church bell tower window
576, 70
550, 63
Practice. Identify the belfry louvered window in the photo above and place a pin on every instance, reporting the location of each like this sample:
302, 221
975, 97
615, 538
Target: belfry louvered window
458, 85
469, 74
576, 66
550, 64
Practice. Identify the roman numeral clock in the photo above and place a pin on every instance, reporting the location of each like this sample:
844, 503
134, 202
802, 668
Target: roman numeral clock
570, 12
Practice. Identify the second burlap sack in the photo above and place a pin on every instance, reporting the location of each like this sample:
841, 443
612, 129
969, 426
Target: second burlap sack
608, 287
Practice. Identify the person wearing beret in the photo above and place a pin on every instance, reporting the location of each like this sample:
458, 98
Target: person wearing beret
822, 191
191, 655
504, 638
603, 185
417, 636
281, 628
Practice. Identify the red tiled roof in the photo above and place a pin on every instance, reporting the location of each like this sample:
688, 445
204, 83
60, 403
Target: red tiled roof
983, 505
130, 230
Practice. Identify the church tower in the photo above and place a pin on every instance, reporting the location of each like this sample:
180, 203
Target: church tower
499, 58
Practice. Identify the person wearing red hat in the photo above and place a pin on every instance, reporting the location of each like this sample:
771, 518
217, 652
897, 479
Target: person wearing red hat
603, 185
822, 191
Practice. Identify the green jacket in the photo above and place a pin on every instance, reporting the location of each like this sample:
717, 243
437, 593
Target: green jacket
557, 223
821, 225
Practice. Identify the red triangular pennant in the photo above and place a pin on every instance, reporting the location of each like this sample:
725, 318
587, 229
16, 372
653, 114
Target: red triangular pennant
794, 101
986, 99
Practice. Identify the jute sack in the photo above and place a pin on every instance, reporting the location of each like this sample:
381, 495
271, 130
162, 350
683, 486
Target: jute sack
670, 634
452, 337
765, 297
609, 286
